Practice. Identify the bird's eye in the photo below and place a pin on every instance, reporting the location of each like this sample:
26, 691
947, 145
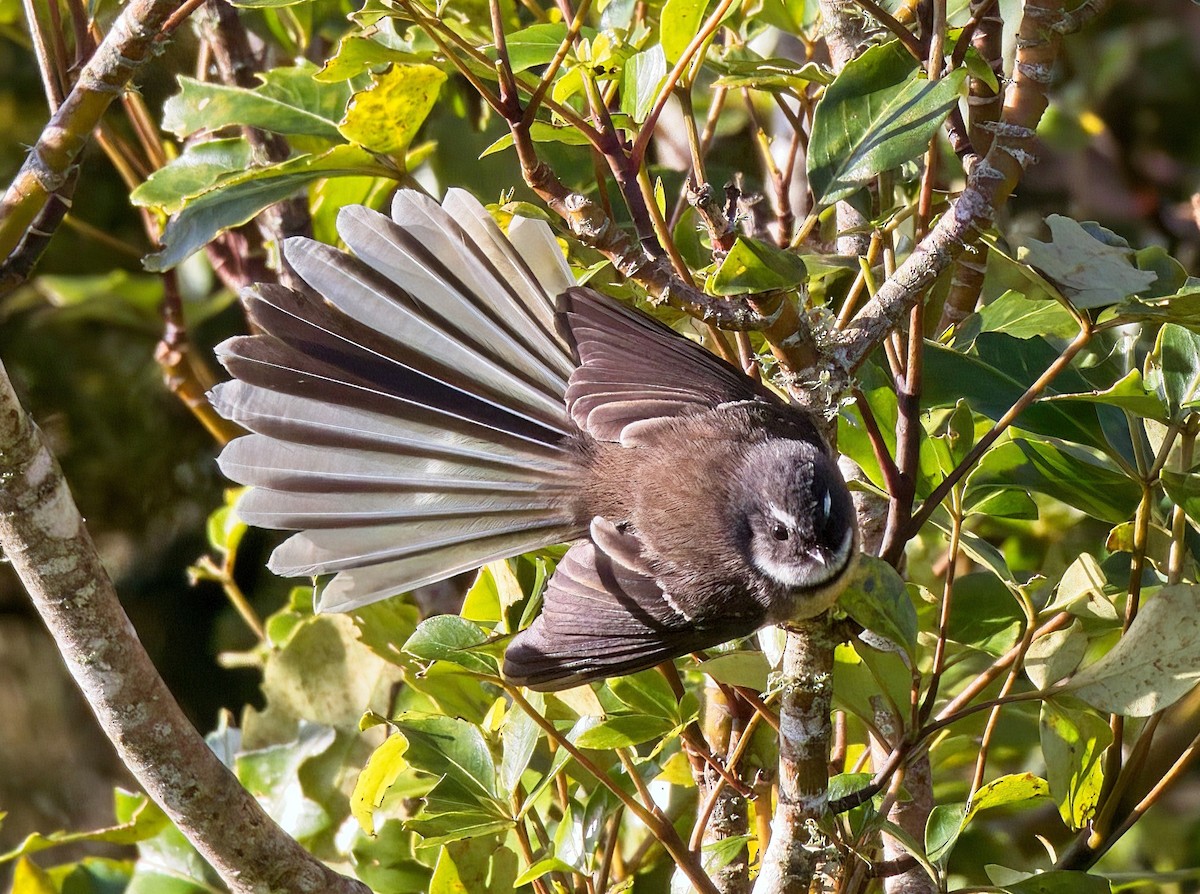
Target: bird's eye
779, 531
824, 509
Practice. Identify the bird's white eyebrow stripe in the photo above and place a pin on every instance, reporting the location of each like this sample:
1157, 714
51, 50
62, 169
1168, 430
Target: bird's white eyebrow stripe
784, 516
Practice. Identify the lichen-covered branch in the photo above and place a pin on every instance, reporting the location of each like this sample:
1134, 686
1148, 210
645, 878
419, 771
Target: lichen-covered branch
799, 849
989, 184
44, 538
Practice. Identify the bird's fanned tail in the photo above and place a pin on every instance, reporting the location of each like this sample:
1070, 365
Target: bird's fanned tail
408, 414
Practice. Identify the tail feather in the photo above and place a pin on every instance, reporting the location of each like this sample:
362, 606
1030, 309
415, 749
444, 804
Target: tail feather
309, 420
349, 590
268, 508
407, 416
320, 551
261, 461
367, 296
451, 293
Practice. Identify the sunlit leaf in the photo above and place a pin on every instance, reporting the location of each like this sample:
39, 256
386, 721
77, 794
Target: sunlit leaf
947, 821
643, 74
741, 668
385, 764
537, 44
647, 693
1130, 394
238, 198
754, 266
289, 101
680, 21
1089, 272
386, 116
1014, 314
196, 170
623, 731
1155, 663
879, 112
451, 638
1074, 738
541, 132
1173, 368
780, 75
878, 600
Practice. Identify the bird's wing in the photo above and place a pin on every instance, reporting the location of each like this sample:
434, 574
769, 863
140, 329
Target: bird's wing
601, 619
633, 369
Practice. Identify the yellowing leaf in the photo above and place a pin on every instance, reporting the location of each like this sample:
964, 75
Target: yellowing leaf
386, 116
384, 765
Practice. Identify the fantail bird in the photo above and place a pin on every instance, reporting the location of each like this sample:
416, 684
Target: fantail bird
447, 396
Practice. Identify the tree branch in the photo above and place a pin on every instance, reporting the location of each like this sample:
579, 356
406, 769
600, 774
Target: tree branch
44, 537
136, 34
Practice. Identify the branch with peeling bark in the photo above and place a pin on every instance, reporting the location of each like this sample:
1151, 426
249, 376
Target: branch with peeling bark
44, 538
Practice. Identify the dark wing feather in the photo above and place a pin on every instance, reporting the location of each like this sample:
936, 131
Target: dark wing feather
601, 620
633, 368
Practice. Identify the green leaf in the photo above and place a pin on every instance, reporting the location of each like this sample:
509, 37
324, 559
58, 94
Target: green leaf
238, 198
942, 829
1089, 272
985, 616
1077, 478
647, 693
197, 170
720, 853
1081, 591
1054, 656
1014, 314
385, 764
1074, 738
1001, 504
357, 54
1130, 394
741, 668
141, 819
519, 736
290, 101
753, 266
643, 74
947, 821
1060, 881
451, 638
877, 598
775, 75
538, 44
1154, 664
994, 378
474, 867
272, 775
623, 731
878, 113
540, 132
453, 749
540, 868
29, 878
1173, 368
680, 21
1184, 491
385, 117
1017, 788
